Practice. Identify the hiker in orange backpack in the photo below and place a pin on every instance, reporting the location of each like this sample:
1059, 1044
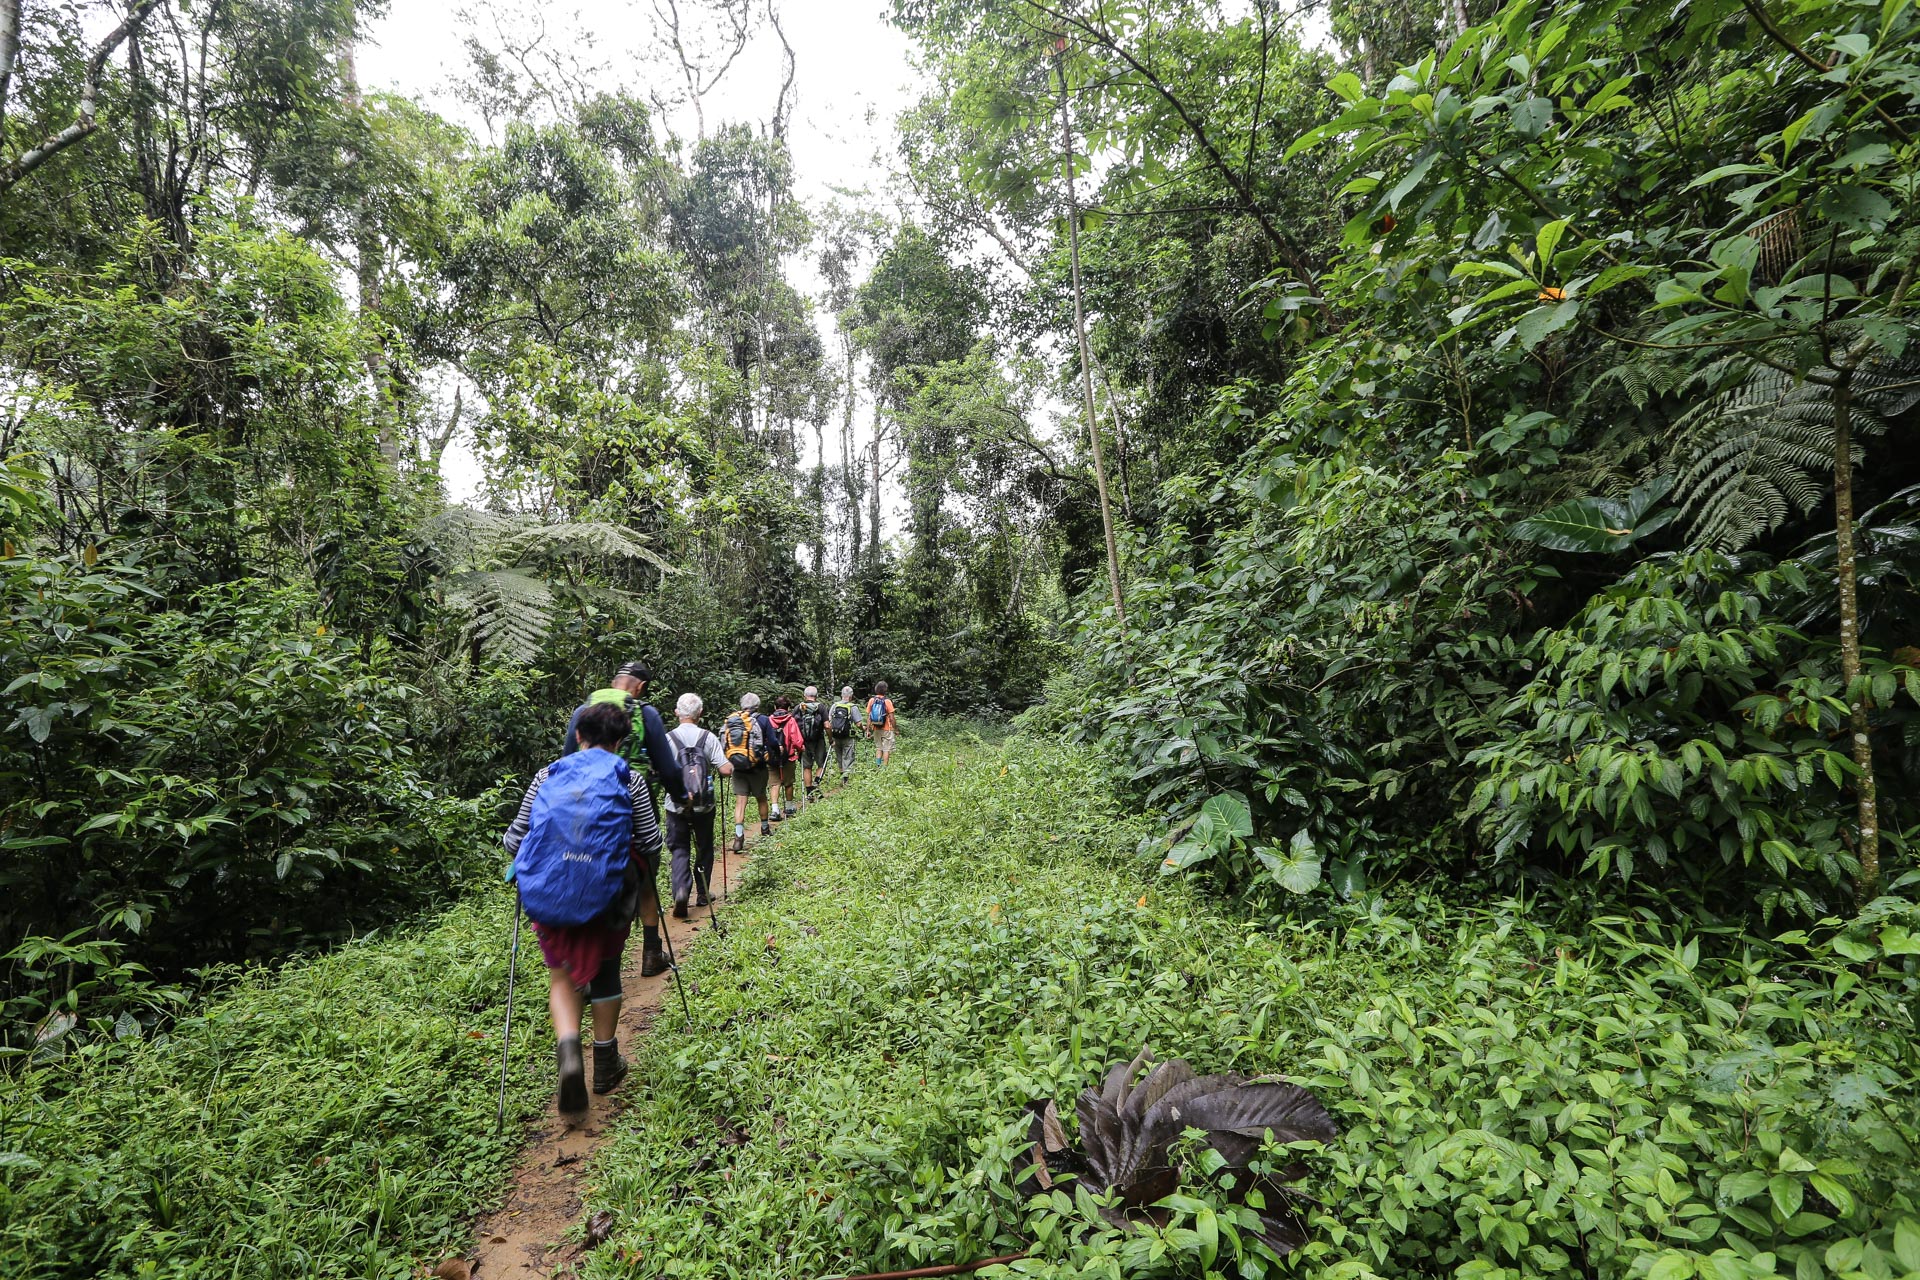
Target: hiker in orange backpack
879, 722
792, 745
746, 739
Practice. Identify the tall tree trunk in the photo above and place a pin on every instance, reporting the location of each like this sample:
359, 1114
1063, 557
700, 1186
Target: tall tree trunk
1458, 9
1845, 574
848, 478
873, 490
821, 613
9, 49
369, 257
1086, 361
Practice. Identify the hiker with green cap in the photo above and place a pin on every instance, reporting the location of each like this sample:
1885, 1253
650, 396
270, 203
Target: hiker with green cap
843, 718
647, 748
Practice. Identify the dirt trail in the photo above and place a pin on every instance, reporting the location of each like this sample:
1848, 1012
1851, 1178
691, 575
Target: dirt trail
523, 1237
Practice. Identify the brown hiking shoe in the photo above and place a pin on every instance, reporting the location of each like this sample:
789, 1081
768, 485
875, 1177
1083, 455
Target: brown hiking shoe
609, 1068
573, 1080
653, 962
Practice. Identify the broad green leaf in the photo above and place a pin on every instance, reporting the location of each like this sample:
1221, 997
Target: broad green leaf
1672, 1266
1546, 240
1229, 813
1532, 116
1543, 322
1411, 179
1906, 1243
1896, 940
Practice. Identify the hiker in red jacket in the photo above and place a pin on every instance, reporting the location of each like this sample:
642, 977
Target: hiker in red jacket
789, 745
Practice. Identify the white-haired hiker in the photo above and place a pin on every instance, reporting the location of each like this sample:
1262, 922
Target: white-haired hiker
843, 719
690, 826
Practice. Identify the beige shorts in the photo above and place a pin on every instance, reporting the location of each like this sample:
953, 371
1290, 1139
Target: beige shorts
883, 740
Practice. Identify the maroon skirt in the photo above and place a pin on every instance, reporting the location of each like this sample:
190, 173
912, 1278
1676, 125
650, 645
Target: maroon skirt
581, 949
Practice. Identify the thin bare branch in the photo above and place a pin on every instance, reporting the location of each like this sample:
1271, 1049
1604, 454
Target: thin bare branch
87, 119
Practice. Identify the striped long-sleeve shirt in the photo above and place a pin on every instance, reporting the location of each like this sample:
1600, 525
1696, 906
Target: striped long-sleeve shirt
646, 830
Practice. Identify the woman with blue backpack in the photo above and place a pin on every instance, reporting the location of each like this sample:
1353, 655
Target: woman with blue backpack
584, 845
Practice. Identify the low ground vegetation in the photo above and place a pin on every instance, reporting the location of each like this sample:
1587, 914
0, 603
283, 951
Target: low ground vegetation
332, 1119
1525, 1088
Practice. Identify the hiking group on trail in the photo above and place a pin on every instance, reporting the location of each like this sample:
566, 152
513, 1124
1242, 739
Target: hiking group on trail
586, 843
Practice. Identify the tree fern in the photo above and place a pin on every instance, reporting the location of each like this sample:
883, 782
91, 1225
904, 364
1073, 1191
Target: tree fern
497, 571
508, 610
1757, 451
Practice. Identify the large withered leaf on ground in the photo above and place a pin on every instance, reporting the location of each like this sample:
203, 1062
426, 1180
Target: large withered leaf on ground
1129, 1125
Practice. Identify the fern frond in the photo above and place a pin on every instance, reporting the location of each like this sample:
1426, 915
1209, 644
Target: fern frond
508, 610
1757, 451
615, 600
586, 537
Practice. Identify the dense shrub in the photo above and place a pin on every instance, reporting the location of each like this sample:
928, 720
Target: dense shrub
225, 781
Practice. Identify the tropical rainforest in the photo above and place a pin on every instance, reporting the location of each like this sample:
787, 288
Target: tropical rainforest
1393, 525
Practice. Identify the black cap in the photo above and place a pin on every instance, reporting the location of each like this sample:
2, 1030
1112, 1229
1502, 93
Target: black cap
636, 669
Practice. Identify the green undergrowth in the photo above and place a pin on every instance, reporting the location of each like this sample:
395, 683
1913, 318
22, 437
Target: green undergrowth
914, 960
334, 1117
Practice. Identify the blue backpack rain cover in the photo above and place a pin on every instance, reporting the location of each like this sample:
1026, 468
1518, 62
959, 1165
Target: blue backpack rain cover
573, 862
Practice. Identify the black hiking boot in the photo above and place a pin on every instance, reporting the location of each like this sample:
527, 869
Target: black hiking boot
766, 828
573, 1080
609, 1068
653, 962
704, 900
777, 815
680, 908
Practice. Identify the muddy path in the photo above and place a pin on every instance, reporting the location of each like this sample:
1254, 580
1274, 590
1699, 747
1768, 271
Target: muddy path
526, 1236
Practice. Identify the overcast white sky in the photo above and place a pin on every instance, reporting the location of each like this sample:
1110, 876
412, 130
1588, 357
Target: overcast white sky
853, 78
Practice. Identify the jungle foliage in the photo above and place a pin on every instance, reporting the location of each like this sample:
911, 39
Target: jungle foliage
1519, 1092
261, 680
1538, 510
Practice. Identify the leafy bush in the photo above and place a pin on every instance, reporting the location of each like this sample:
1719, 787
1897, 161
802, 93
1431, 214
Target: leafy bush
1339, 645
334, 1118
223, 781
1679, 720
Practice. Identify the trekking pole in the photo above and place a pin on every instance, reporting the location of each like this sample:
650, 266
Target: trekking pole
705, 878
673, 963
506, 1036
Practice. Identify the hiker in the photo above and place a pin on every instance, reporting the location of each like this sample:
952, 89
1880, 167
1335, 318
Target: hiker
690, 821
791, 746
812, 715
747, 740
879, 722
628, 689
842, 717
585, 852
